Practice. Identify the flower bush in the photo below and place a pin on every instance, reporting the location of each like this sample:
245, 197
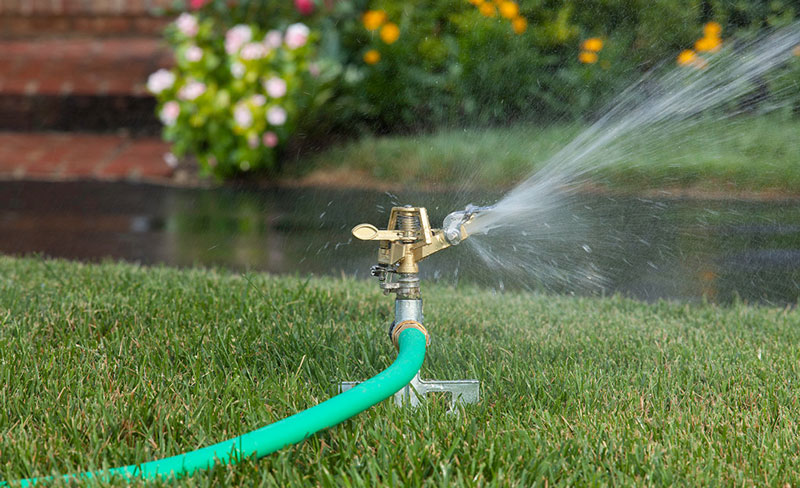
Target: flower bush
249, 74
236, 94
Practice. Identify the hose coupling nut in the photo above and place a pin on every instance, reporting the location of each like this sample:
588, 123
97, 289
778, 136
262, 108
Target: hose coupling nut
396, 329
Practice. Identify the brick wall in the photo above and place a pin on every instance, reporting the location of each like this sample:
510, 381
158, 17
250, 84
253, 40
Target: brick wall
81, 7
37, 18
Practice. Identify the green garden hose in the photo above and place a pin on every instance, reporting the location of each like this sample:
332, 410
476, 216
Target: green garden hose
278, 435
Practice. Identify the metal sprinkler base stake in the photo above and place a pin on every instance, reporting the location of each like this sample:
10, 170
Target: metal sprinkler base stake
407, 240
461, 391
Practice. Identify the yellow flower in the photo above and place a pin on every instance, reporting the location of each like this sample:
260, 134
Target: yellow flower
796, 50
711, 44
487, 10
477, 3
390, 32
687, 57
519, 24
373, 19
712, 29
593, 44
587, 57
372, 56
509, 9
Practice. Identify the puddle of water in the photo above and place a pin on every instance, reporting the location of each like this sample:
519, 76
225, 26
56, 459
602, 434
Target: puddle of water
682, 250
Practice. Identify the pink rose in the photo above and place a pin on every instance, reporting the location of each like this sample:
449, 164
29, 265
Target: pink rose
169, 112
273, 39
160, 81
275, 87
193, 54
270, 139
296, 36
243, 116
253, 50
192, 90
276, 116
171, 160
258, 100
187, 24
196, 4
236, 37
305, 7
237, 70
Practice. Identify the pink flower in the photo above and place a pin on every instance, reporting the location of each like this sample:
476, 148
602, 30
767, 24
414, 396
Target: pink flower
193, 54
252, 141
169, 112
276, 116
296, 36
236, 37
270, 139
237, 70
258, 100
252, 50
160, 81
273, 39
192, 90
305, 7
243, 116
171, 160
275, 87
187, 24
196, 4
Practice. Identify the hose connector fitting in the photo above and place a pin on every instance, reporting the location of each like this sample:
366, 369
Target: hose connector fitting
394, 333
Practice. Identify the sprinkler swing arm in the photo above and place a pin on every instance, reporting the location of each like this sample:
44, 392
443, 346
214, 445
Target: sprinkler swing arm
407, 240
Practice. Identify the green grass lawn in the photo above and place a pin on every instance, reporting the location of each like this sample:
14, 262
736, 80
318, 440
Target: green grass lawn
743, 154
104, 365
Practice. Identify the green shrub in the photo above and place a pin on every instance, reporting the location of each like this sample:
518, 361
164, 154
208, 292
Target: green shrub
237, 92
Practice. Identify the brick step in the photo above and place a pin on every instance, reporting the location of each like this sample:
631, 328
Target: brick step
81, 66
79, 113
82, 84
99, 25
71, 156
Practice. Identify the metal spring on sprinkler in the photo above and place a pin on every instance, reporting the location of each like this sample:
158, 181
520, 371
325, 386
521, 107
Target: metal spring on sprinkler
408, 224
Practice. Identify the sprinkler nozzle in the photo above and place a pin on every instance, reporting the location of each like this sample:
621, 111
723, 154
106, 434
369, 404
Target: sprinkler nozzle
455, 224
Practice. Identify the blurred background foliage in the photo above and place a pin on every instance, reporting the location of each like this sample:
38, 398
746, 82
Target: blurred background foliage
459, 63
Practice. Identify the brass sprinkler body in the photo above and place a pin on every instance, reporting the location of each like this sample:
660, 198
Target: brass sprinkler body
407, 240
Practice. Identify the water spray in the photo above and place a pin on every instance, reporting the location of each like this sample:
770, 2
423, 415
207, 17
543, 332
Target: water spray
407, 240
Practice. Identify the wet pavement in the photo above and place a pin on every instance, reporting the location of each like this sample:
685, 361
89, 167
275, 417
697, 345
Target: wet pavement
686, 250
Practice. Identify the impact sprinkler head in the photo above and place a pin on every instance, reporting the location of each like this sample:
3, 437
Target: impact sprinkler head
407, 240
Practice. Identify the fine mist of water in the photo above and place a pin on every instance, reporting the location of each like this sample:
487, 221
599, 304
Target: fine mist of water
550, 232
